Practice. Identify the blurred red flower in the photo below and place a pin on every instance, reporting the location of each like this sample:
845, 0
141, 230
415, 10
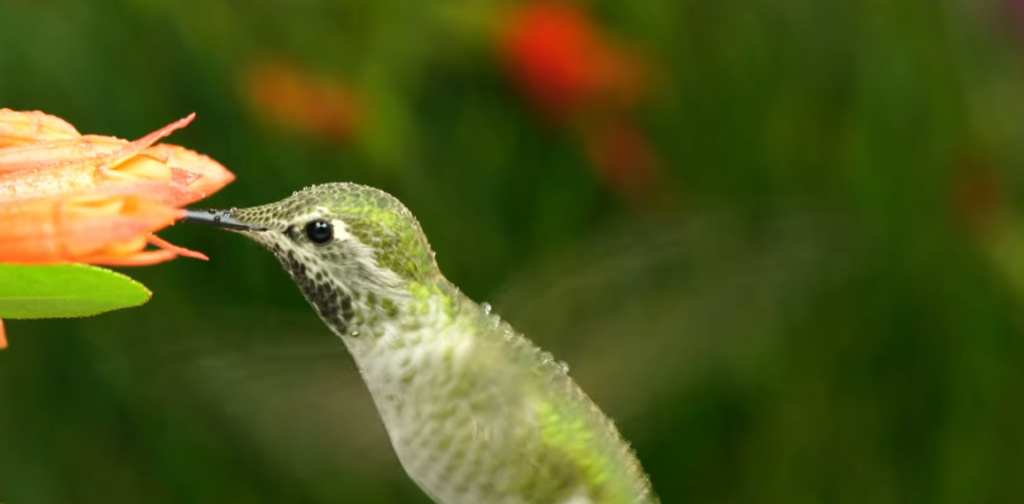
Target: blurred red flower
564, 62
623, 158
977, 196
1016, 8
574, 74
293, 98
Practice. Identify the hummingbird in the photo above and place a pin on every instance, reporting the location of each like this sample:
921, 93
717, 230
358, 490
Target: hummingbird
476, 413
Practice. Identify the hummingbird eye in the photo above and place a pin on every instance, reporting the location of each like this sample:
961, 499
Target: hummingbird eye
320, 232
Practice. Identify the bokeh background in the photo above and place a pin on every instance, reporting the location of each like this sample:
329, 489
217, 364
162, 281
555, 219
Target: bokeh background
779, 241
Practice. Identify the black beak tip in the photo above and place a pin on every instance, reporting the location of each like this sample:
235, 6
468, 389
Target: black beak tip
218, 218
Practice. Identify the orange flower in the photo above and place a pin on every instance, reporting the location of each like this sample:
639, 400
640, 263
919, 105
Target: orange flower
563, 61
66, 197
89, 228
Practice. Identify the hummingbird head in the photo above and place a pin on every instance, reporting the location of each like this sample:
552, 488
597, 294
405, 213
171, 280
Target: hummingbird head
350, 248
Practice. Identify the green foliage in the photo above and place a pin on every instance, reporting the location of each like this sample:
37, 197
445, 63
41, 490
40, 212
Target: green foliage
65, 290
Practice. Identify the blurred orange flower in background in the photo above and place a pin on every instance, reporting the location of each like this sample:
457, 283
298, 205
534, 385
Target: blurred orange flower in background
292, 97
68, 197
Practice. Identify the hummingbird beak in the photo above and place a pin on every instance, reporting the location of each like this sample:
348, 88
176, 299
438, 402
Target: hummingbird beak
218, 218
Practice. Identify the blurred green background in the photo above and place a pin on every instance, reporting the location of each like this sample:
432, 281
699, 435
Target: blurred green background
790, 263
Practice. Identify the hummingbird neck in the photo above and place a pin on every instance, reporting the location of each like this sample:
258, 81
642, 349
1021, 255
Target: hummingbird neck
366, 317
385, 321
360, 304
417, 306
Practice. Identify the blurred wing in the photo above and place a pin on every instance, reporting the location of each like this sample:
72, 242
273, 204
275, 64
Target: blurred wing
640, 311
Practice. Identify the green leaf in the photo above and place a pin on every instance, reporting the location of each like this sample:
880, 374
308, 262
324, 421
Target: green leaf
65, 290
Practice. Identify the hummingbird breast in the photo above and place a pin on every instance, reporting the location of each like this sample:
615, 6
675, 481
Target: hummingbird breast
452, 432
478, 415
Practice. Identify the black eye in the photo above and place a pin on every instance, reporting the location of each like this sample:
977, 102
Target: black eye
320, 232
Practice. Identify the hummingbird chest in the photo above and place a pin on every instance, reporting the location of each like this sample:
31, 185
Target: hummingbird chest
465, 423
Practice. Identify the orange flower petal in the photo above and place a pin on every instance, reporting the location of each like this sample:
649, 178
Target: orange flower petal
130, 255
212, 176
47, 230
110, 150
138, 168
144, 258
3, 336
34, 126
155, 136
66, 167
132, 149
54, 153
82, 176
39, 182
183, 177
182, 251
172, 193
